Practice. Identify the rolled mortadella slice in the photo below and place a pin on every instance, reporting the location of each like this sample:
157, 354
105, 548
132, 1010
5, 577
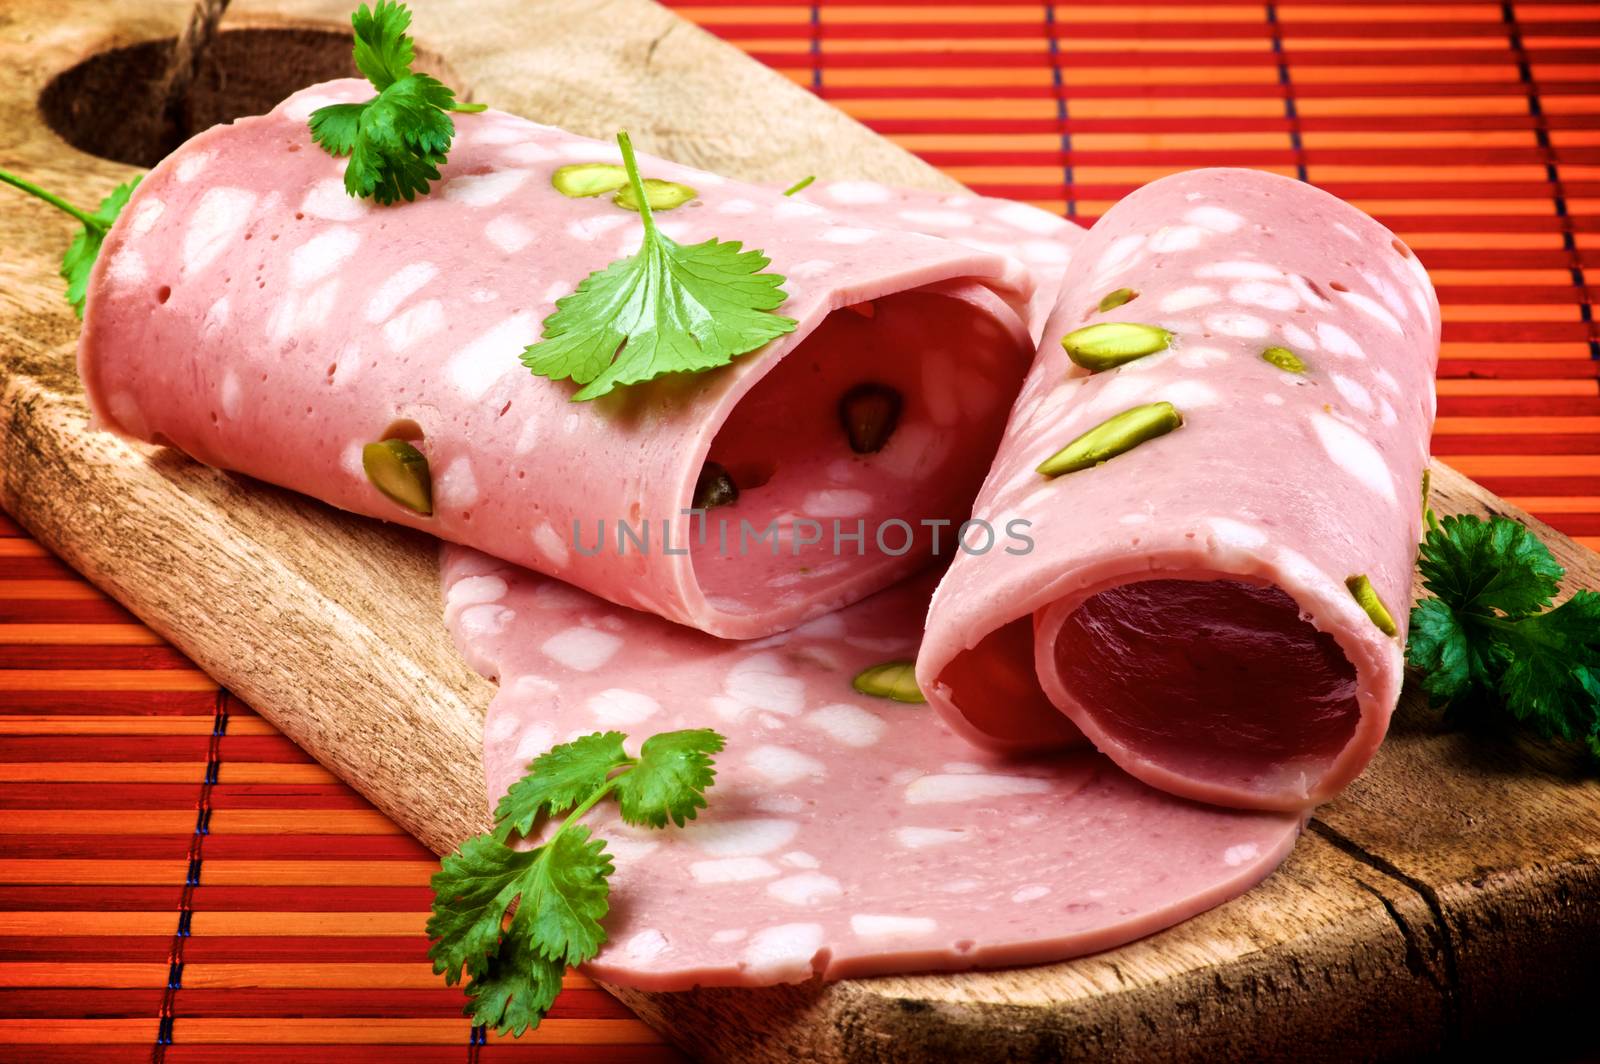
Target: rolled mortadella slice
248, 312
1220, 453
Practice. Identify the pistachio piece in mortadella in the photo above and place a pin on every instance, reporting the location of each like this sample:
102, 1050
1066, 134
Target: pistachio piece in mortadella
1113, 300
869, 413
714, 487
1113, 436
400, 472
1361, 588
1112, 343
894, 680
588, 179
1284, 359
662, 195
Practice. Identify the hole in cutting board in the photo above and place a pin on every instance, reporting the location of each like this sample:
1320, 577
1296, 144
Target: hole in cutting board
246, 71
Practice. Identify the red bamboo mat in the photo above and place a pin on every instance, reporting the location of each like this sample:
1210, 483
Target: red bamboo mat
179, 882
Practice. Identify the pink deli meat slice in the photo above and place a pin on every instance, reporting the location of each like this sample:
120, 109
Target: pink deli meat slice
845, 835
1186, 603
248, 312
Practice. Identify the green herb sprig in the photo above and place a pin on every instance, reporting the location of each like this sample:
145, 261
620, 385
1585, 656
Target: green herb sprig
1488, 642
81, 254
397, 140
666, 309
560, 887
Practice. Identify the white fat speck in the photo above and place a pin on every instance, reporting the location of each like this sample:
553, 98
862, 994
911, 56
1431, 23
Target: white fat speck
299, 106
961, 886
1337, 341
847, 234
145, 218
847, 724
871, 925
1119, 254
219, 217
790, 209
478, 621
1028, 219
781, 954
1177, 238
397, 288
551, 544
499, 728
472, 591
732, 870
1182, 299
647, 945
1189, 357
531, 686
1234, 856
781, 804
811, 268
1023, 895
1386, 412
938, 220
1242, 326
190, 166
740, 838
828, 626
232, 394
581, 649
730, 934
736, 206
1272, 399
1298, 337
1355, 454
1353, 393
806, 889
1190, 395
127, 268
328, 200
506, 232
590, 151
858, 193
961, 787
1347, 231
1237, 534
321, 255
349, 458
217, 316
1239, 270
1374, 310
484, 190
456, 487
1217, 219
485, 360
554, 595
1386, 380
1262, 294
528, 152
414, 324
837, 502
780, 765
799, 859
619, 706
597, 225
1310, 297
1134, 519
1045, 253
922, 838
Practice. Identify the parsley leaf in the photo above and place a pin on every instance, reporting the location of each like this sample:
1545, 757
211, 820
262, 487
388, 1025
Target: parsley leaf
1489, 639
85, 247
670, 778
397, 140
665, 309
560, 888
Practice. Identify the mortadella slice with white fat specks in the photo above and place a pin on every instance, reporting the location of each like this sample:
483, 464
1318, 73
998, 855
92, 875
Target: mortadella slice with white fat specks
248, 312
845, 835
1226, 522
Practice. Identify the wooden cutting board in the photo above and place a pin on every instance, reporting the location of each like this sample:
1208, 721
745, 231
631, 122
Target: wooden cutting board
1451, 893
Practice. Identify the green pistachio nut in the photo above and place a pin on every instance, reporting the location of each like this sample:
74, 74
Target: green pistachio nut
1113, 436
1284, 359
1112, 343
895, 680
1113, 300
869, 413
661, 195
1361, 588
400, 472
588, 179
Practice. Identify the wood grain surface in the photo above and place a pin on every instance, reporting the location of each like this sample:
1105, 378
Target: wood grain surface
1450, 890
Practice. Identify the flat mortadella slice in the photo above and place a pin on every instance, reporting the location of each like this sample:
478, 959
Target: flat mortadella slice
1188, 604
248, 312
845, 835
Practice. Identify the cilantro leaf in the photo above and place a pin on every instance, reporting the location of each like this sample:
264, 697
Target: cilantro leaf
670, 779
81, 254
665, 309
557, 781
397, 140
561, 889
1487, 642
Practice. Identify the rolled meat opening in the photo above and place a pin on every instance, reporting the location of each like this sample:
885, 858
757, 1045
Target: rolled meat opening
1220, 450
248, 312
